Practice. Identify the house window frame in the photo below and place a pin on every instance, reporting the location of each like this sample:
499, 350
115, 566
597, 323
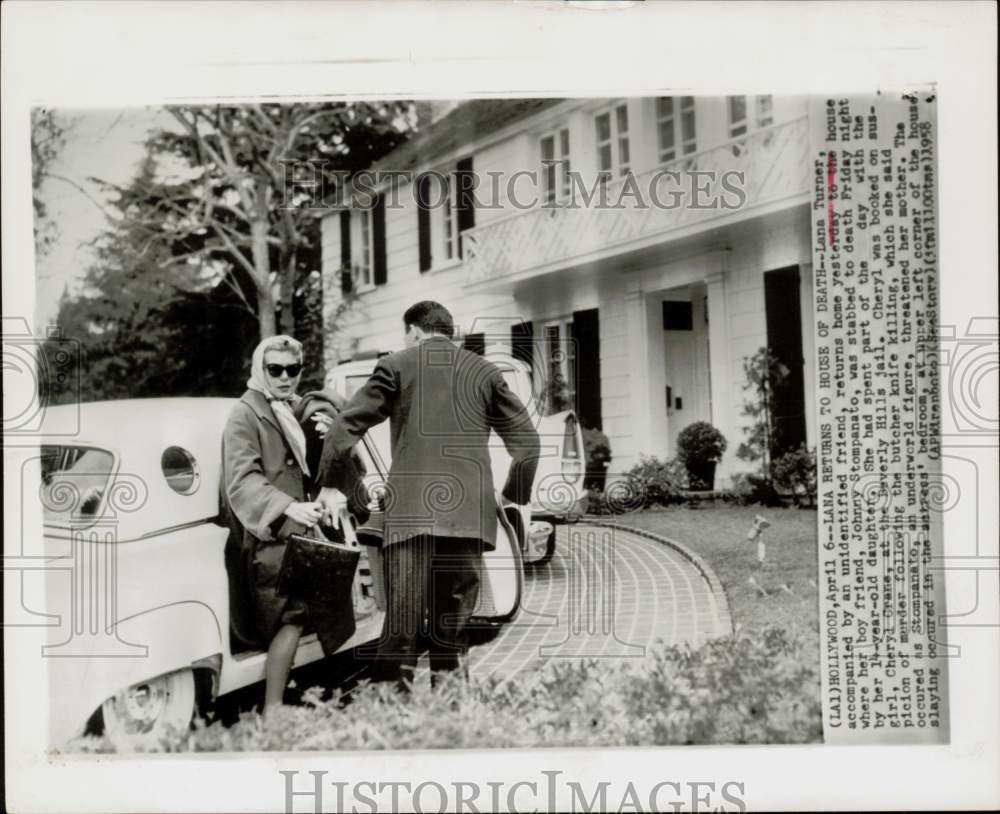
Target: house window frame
449, 217
682, 109
758, 113
618, 167
559, 170
565, 365
363, 250
443, 222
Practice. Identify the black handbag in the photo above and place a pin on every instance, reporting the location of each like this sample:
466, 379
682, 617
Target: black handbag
316, 570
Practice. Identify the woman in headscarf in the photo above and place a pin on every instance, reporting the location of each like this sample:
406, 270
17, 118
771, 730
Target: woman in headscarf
266, 481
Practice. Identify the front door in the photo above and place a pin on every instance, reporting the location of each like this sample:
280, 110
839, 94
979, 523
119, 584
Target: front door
685, 351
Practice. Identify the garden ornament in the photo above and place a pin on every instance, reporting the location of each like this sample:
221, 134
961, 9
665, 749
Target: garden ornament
756, 533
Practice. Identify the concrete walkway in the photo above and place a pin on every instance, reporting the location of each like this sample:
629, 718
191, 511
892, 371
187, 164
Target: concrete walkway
609, 592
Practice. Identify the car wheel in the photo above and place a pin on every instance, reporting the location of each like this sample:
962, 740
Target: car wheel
144, 712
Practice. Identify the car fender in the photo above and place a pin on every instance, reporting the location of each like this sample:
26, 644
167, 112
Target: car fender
149, 644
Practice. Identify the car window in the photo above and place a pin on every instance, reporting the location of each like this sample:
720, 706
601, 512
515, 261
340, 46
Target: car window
352, 384
180, 470
74, 480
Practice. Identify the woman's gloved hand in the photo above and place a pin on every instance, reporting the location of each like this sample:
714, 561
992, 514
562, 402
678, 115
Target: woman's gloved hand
308, 514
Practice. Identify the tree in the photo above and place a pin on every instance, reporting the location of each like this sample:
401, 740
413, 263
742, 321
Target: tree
222, 191
764, 373
48, 137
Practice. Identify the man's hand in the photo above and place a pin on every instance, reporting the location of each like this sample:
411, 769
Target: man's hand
330, 500
323, 422
308, 514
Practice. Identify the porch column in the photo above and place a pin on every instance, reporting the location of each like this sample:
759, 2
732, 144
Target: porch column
721, 374
638, 355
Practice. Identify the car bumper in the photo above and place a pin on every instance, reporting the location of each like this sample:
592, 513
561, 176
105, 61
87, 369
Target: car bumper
577, 508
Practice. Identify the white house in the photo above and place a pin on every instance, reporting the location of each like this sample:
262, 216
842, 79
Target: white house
646, 309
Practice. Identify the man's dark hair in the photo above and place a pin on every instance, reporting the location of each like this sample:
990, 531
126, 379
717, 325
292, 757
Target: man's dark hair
431, 317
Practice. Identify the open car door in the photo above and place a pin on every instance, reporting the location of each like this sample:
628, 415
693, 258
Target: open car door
502, 577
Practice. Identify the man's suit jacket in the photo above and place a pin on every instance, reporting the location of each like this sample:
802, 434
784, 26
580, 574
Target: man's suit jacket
441, 402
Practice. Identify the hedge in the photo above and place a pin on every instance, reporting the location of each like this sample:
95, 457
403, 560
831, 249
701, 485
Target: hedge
728, 691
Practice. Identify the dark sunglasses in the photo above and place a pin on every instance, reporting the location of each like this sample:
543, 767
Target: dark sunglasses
275, 371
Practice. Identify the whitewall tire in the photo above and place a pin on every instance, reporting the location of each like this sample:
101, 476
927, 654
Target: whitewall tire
140, 715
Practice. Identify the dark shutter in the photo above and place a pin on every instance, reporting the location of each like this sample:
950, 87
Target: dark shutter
378, 240
465, 184
522, 344
475, 343
346, 279
587, 335
345, 238
783, 313
424, 221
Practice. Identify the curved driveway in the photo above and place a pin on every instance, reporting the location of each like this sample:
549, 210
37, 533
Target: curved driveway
608, 592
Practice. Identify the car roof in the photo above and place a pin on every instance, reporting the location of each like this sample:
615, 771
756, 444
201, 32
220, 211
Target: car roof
138, 431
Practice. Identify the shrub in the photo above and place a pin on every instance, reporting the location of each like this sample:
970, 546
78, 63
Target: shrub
655, 482
700, 447
795, 472
765, 374
751, 488
597, 449
700, 443
748, 689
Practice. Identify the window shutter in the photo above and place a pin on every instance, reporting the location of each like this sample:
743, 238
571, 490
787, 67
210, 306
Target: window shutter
424, 221
345, 238
522, 344
465, 182
475, 343
587, 336
378, 240
346, 280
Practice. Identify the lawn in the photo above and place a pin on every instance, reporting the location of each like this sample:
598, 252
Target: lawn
783, 592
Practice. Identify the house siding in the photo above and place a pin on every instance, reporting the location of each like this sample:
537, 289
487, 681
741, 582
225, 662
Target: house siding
624, 291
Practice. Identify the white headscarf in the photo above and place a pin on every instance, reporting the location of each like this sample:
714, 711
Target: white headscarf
280, 406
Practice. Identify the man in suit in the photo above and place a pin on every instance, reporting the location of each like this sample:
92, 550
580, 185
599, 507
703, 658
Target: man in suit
442, 402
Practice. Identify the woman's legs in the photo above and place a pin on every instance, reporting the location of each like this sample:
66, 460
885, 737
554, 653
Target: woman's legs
280, 654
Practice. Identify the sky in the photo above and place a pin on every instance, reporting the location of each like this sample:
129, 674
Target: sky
105, 144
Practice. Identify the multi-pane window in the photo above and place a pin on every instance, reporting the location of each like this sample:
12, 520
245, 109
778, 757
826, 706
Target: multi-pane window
555, 166
749, 113
765, 111
362, 259
449, 217
612, 142
570, 365
560, 362
675, 126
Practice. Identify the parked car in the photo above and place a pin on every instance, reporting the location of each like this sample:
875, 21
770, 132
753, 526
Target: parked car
135, 571
557, 493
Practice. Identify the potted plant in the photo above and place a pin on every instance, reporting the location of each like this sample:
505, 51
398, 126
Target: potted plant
700, 447
597, 448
